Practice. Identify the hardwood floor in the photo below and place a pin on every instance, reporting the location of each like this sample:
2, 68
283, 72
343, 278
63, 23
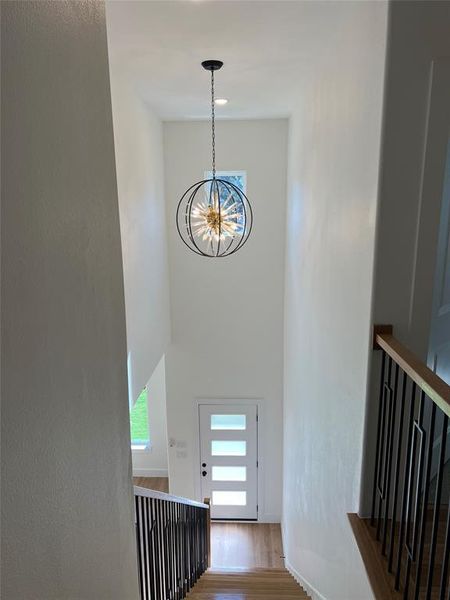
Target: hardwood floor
246, 545
256, 584
159, 484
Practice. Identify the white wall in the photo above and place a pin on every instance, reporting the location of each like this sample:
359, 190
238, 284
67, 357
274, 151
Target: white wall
410, 207
67, 511
418, 34
140, 180
227, 314
332, 204
153, 462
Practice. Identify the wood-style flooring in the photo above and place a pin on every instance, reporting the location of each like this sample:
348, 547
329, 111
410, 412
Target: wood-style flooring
246, 545
159, 484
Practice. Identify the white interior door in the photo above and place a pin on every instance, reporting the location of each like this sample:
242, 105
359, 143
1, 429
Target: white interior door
228, 459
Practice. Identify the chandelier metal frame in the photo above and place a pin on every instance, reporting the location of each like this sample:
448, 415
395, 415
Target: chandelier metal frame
211, 226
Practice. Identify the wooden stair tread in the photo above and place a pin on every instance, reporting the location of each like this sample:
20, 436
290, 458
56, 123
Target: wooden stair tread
252, 584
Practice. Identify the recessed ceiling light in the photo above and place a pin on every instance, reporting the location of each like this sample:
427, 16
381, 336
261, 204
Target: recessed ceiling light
221, 101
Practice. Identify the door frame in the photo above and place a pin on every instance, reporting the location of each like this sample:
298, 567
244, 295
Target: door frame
259, 403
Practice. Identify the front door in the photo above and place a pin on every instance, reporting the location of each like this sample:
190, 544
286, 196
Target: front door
228, 459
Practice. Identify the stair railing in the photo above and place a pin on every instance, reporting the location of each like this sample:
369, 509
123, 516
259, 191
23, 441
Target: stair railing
173, 543
410, 508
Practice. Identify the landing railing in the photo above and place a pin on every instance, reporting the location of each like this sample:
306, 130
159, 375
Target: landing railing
410, 503
173, 543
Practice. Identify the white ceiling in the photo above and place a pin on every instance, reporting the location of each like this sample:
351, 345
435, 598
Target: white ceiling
268, 47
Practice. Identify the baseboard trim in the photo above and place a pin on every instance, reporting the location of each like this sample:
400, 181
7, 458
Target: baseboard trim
150, 473
309, 589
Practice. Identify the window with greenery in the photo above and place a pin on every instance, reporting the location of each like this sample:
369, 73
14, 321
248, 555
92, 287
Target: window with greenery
140, 434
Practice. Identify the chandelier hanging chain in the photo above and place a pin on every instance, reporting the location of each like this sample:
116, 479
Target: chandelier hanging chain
213, 126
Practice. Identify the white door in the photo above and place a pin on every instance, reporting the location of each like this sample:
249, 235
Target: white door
228, 459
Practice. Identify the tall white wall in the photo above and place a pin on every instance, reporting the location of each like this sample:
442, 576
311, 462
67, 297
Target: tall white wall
67, 511
404, 277
140, 181
153, 461
332, 205
413, 155
227, 314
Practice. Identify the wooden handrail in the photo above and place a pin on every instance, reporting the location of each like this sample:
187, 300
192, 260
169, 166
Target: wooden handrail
433, 386
140, 491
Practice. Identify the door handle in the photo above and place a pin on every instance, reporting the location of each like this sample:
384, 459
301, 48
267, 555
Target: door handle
204, 473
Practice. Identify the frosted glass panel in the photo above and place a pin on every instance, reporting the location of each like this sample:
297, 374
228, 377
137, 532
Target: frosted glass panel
229, 473
230, 422
228, 498
228, 448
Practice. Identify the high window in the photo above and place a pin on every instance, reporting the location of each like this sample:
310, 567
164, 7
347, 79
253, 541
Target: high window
237, 178
140, 431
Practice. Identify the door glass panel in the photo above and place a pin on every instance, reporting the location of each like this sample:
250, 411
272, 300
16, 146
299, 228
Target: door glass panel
229, 498
229, 473
230, 422
228, 448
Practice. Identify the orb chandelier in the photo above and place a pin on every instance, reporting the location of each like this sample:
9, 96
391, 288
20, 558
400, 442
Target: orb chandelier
214, 217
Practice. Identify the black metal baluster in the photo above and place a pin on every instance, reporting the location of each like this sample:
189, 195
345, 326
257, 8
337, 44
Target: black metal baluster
392, 413
191, 546
202, 521
183, 548
444, 572
179, 553
186, 548
194, 547
404, 491
162, 553
411, 548
168, 548
396, 474
180, 550
204, 537
176, 552
382, 462
158, 557
380, 406
173, 578
145, 548
191, 570
425, 495
166, 552
137, 502
437, 505
154, 552
151, 556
